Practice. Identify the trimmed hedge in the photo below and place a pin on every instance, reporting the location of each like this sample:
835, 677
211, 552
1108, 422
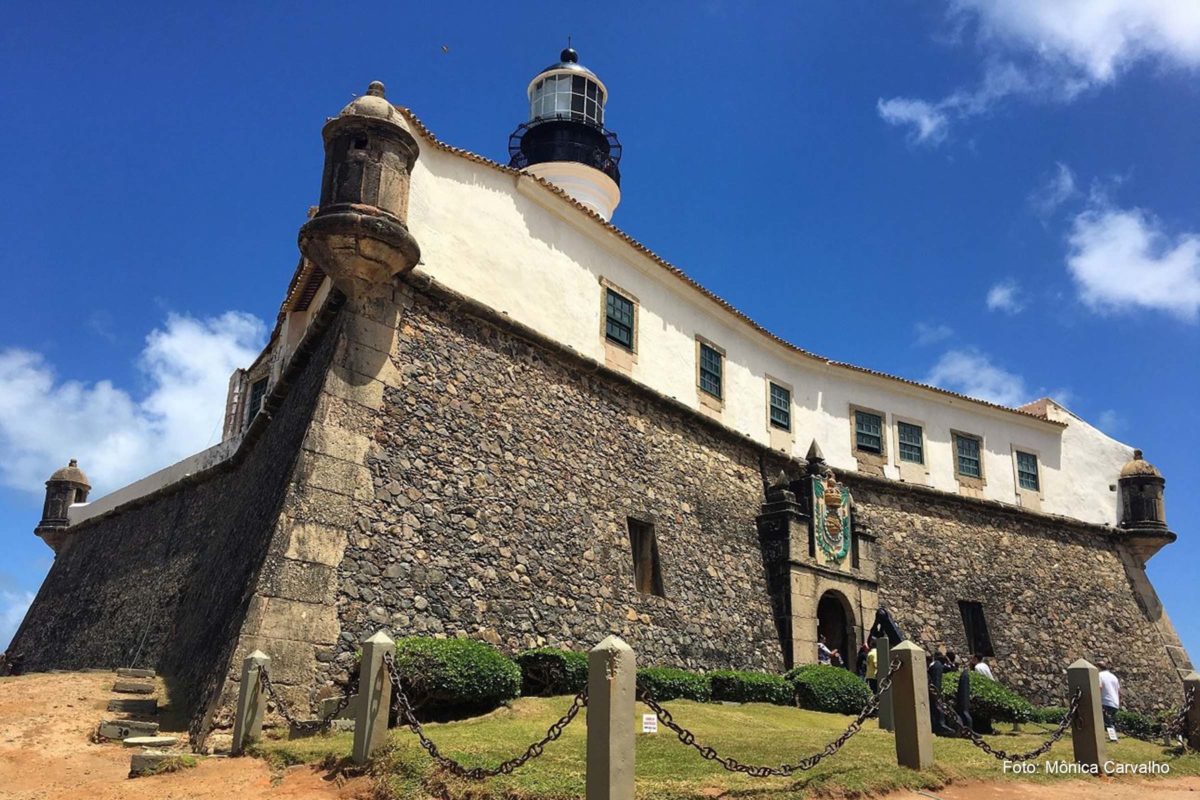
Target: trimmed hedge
990, 701
455, 673
548, 671
668, 683
1049, 715
751, 687
1139, 725
821, 687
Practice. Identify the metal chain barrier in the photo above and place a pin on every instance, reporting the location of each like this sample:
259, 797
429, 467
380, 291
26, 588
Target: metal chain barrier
409, 717
1177, 727
783, 770
966, 733
312, 725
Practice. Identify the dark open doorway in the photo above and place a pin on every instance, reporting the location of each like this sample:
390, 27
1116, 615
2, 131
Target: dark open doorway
835, 621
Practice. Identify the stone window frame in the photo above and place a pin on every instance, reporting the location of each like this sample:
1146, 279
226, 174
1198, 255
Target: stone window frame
646, 585
969, 482
779, 438
1028, 498
258, 372
874, 462
708, 401
911, 471
615, 355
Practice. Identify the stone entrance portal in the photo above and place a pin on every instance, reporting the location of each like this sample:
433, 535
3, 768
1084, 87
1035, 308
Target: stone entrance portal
835, 621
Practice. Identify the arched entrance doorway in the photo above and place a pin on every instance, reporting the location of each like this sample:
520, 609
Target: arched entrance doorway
835, 621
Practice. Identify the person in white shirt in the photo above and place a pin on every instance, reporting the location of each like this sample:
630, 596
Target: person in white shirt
824, 654
980, 666
1110, 696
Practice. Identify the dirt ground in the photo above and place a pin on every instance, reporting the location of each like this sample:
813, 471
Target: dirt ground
45, 754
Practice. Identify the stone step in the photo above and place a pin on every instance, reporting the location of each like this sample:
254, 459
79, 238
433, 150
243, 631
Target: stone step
133, 687
157, 742
124, 728
141, 708
130, 672
152, 763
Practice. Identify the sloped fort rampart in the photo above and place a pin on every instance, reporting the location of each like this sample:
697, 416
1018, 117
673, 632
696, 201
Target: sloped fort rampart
421, 455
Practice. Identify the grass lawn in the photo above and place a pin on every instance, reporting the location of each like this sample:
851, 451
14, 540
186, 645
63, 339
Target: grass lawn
668, 770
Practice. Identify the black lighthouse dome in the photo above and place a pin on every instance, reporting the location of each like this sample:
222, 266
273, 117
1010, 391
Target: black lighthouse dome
566, 122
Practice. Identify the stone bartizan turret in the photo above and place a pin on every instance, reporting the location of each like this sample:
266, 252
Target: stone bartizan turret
66, 486
1143, 514
565, 141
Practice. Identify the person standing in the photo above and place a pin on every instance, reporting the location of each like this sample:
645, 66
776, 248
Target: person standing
872, 667
980, 666
824, 654
962, 700
936, 669
860, 663
1110, 698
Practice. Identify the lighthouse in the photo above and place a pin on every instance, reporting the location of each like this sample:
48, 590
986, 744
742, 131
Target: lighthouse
564, 141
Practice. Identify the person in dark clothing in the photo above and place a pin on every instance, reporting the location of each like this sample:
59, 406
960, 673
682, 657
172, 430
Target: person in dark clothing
860, 664
936, 670
962, 699
951, 661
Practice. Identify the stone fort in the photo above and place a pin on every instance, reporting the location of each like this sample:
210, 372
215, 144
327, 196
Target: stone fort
485, 411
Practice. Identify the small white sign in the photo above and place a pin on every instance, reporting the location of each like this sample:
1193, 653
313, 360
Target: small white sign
649, 723
1112, 734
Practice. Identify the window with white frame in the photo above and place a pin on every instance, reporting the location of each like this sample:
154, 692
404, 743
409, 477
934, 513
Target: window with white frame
567, 97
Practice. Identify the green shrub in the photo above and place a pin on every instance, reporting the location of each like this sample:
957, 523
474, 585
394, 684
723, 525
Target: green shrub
455, 674
1049, 715
1140, 725
548, 671
990, 701
821, 687
668, 683
751, 687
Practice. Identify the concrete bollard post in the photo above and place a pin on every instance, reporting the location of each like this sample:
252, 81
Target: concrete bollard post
251, 705
883, 660
612, 692
910, 708
1192, 733
375, 698
1087, 729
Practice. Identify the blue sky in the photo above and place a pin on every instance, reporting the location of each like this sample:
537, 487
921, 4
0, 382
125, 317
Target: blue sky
997, 197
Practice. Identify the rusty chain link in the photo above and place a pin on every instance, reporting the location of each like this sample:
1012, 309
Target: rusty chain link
312, 725
409, 718
783, 770
966, 733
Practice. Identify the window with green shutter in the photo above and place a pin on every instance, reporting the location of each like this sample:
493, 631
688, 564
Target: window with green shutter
618, 321
912, 442
1027, 471
781, 407
710, 370
258, 392
868, 432
967, 461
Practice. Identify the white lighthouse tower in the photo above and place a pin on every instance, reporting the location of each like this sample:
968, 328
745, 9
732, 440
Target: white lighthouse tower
565, 141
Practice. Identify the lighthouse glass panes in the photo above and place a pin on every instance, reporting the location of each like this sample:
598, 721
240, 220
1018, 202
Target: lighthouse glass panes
618, 319
868, 432
571, 97
1027, 471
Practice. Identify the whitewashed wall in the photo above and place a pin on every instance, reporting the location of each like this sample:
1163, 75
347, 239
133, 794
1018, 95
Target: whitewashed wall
515, 246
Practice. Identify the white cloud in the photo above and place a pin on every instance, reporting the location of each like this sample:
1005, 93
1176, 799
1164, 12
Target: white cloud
972, 373
1057, 189
1110, 421
1051, 51
45, 420
13, 606
1124, 259
1005, 296
931, 334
